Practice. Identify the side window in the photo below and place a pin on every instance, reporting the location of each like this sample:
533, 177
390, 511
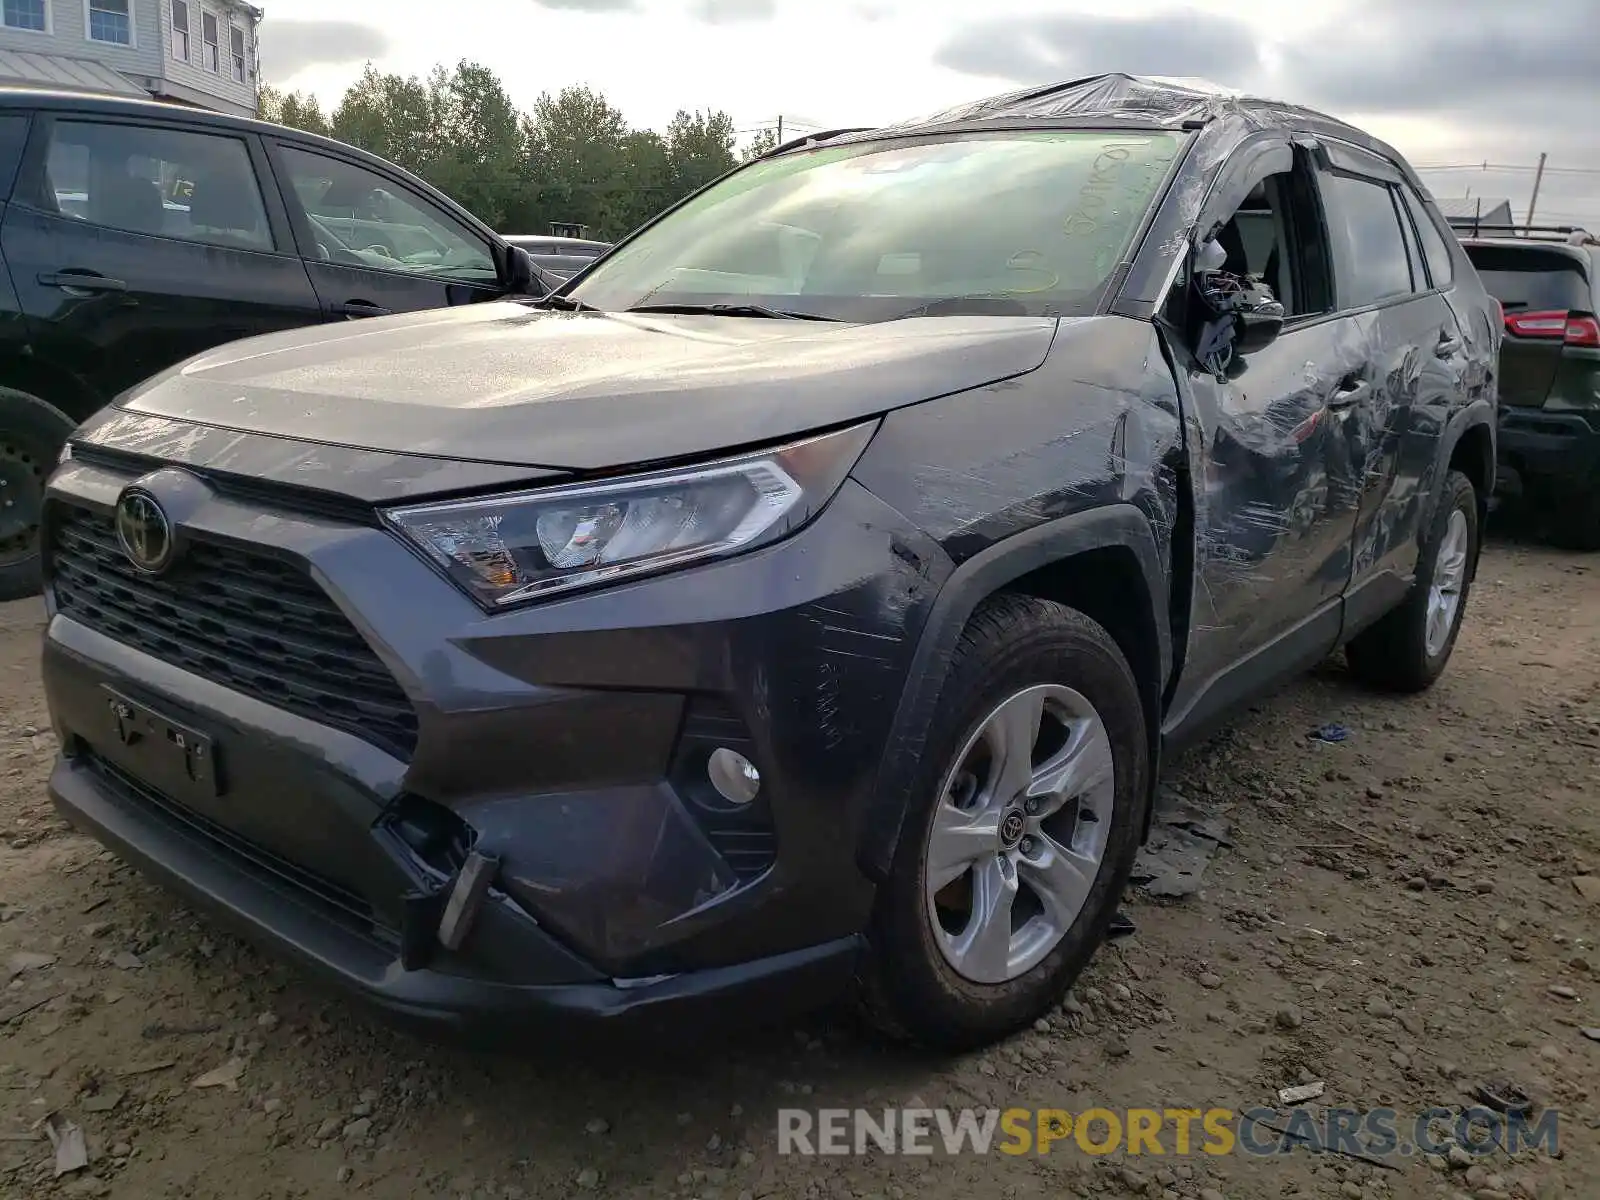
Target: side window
1441, 266
1370, 261
1276, 237
359, 218
175, 183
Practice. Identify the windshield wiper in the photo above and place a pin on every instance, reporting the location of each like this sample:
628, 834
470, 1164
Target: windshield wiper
731, 310
563, 303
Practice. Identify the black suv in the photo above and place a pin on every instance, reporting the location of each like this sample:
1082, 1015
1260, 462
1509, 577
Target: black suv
1547, 281
802, 598
135, 234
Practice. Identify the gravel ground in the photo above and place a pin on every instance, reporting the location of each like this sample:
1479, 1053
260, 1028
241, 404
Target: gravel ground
1398, 918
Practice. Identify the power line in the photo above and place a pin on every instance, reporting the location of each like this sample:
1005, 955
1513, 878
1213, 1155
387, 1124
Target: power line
1526, 168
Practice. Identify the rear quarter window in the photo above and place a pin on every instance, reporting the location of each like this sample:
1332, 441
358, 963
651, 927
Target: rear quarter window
1533, 279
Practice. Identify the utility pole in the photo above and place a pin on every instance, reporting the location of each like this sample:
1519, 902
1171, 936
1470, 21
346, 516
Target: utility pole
780, 137
1538, 178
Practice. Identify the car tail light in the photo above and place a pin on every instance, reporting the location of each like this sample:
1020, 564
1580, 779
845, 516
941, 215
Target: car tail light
1583, 331
1555, 326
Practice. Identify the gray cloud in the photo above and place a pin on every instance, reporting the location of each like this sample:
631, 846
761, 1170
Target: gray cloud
288, 47
731, 12
590, 6
1510, 79
1451, 56
1051, 48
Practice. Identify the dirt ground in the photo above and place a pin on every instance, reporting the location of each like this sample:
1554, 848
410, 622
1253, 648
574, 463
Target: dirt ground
1397, 918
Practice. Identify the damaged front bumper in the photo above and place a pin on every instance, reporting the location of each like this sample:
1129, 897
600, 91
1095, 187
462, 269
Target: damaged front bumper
561, 749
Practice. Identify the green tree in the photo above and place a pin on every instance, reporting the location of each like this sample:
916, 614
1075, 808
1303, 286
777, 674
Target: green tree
478, 141
700, 147
297, 110
763, 142
392, 116
575, 158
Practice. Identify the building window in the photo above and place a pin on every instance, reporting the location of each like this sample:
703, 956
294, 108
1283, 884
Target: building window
111, 21
180, 30
236, 44
209, 47
32, 15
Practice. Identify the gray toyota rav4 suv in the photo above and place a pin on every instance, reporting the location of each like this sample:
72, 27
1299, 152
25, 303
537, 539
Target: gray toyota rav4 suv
802, 600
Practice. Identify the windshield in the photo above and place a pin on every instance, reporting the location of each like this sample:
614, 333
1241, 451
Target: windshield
1031, 223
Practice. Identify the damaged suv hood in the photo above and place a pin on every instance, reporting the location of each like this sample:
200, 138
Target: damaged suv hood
506, 383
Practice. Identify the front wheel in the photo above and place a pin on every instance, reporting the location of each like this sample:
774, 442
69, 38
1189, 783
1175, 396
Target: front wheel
31, 436
1025, 822
1409, 647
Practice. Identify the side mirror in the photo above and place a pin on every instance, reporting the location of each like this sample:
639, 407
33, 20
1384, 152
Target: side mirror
523, 277
1258, 327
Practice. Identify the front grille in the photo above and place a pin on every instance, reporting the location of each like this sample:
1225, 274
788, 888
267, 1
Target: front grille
339, 903
245, 620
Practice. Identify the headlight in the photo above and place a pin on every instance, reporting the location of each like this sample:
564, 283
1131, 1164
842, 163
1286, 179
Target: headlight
504, 550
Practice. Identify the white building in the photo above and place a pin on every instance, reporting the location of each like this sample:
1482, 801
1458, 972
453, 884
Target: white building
200, 52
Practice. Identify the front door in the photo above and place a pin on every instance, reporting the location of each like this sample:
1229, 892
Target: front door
1276, 483
373, 245
135, 244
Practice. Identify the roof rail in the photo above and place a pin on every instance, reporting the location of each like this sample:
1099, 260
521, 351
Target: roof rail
808, 138
1574, 235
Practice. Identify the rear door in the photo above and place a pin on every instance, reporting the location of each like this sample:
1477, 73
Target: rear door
373, 244
1413, 376
134, 244
1539, 288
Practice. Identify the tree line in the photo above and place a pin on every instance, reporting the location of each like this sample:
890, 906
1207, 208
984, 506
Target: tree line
574, 157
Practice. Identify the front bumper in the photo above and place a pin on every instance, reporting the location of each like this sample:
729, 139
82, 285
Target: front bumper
1554, 448
284, 920
561, 740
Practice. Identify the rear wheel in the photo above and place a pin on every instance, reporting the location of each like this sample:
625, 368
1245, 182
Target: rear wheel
1025, 821
1409, 647
31, 436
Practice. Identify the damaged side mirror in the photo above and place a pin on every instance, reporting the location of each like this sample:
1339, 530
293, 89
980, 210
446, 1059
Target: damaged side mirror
1231, 315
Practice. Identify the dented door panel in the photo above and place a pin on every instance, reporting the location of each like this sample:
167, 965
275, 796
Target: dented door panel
1276, 489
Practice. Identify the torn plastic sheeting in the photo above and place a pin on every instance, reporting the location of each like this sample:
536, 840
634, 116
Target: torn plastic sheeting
1145, 99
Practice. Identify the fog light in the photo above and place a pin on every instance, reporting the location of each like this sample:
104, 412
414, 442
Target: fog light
733, 775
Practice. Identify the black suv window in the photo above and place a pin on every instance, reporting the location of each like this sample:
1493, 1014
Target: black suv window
175, 183
1441, 266
1533, 278
1370, 261
358, 211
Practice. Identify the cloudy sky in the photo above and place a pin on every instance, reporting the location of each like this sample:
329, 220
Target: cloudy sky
1453, 83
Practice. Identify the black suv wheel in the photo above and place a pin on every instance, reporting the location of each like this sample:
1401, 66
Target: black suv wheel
31, 436
1028, 815
1408, 648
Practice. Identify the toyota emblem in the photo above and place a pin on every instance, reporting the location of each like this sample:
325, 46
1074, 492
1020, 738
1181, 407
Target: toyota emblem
144, 532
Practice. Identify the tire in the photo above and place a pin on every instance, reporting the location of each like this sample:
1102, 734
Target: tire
1395, 654
1575, 521
910, 986
31, 436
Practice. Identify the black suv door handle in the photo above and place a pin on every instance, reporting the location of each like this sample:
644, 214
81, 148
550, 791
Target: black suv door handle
1351, 390
82, 281
360, 308
1447, 346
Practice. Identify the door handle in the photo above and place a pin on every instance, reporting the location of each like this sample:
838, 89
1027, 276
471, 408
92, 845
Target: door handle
82, 282
1447, 346
1349, 393
360, 308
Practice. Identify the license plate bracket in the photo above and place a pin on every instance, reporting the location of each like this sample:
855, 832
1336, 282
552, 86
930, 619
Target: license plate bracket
167, 754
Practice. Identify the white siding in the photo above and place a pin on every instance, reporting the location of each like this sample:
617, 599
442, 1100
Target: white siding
70, 38
191, 74
150, 58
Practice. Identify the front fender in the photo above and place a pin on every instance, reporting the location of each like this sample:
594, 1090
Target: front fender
981, 576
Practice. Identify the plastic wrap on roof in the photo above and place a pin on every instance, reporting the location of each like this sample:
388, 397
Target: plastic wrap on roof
1136, 99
